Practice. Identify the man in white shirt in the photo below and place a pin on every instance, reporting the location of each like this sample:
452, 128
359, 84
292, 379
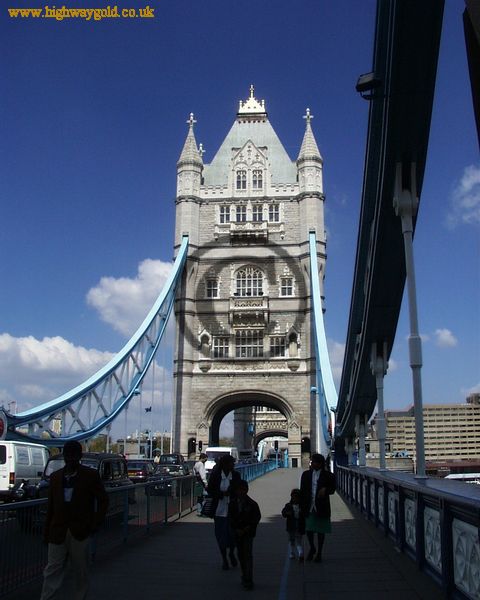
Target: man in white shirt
201, 477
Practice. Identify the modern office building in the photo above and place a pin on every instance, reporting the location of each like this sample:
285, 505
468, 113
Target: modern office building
452, 431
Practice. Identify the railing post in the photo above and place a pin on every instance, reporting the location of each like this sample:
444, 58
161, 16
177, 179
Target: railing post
405, 203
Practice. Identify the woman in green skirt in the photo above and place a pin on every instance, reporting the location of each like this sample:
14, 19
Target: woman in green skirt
316, 486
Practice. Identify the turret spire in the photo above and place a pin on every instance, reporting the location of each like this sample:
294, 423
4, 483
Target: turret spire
309, 149
190, 153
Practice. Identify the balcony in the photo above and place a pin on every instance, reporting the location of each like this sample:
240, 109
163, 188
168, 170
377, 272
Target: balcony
248, 310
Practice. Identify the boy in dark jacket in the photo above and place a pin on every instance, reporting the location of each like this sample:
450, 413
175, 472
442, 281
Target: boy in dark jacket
293, 512
245, 516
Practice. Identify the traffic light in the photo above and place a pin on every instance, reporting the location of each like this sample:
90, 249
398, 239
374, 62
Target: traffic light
200, 445
276, 445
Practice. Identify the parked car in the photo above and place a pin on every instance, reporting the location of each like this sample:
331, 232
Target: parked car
174, 478
171, 459
113, 473
140, 470
21, 465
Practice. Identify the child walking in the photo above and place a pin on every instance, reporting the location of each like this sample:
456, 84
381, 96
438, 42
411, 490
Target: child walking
292, 511
244, 516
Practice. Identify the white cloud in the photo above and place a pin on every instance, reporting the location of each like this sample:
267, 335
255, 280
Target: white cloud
444, 338
125, 302
465, 200
34, 371
336, 352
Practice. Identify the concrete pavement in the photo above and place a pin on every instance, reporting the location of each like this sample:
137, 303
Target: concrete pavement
182, 561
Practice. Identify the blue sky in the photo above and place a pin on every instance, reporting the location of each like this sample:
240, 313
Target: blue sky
92, 123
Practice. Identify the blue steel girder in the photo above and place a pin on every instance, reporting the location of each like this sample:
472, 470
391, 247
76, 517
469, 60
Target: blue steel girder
93, 405
407, 40
326, 392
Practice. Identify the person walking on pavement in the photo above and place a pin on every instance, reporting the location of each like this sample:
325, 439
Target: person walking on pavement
244, 516
77, 505
201, 480
316, 485
221, 487
293, 513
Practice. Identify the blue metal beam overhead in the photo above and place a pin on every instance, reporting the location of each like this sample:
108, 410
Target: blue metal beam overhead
90, 407
407, 40
326, 392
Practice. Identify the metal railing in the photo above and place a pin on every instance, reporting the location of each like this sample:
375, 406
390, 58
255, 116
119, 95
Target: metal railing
133, 511
434, 521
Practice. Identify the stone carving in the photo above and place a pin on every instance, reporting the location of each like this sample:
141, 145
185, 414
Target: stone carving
433, 540
466, 558
249, 366
381, 509
392, 511
372, 499
410, 511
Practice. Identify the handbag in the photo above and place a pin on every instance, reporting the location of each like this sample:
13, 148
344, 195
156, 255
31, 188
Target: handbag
208, 507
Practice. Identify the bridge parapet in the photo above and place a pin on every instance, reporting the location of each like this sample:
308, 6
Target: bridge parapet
436, 522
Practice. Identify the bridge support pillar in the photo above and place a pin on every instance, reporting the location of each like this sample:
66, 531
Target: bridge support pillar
349, 447
405, 202
379, 366
361, 427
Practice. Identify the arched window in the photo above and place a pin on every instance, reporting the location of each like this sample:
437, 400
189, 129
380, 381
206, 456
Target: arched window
241, 180
249, 282
257, 179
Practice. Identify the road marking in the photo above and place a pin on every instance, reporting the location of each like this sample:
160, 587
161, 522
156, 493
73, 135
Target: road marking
282, 594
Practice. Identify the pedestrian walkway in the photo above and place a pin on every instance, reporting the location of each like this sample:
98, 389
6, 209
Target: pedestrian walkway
182, 561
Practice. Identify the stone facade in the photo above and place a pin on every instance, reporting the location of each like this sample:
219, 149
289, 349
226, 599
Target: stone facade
244, 309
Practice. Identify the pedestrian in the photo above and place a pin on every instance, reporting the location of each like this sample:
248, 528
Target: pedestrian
293, 513
77, 505
156, 458
221, 487
201, 481
316, 486
244, 517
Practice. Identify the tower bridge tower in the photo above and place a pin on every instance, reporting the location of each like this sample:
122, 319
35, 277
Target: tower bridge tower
243, 313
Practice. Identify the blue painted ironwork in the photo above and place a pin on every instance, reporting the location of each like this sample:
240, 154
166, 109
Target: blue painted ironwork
326, 392
90, 407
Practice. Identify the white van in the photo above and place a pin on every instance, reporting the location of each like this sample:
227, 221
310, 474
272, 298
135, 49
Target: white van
215, 452
20, 460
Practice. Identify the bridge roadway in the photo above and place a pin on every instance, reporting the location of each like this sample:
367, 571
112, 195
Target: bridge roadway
182, 561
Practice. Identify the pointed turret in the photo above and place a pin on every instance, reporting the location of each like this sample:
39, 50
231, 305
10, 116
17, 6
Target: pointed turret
189, 165
309, 149
309, 161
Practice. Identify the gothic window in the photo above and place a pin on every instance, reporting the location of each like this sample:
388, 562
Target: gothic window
224, 214
257, 213
241, 180
241, 214
249, 282
212, 288
220, 347
277, 346
257, 179
249, 343
286, 286
274, 213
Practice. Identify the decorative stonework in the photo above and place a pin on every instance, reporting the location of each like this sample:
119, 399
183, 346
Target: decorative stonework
392, 511
372, 499
381, 510
410, 511
466, 558
433, 540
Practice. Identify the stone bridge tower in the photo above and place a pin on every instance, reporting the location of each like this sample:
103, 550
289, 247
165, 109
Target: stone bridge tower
243, 314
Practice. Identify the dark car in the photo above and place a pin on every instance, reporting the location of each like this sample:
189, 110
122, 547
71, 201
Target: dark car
140, 470
174, 478
171, 459
113, 473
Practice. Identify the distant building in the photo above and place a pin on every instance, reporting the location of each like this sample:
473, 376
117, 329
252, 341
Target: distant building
452, 431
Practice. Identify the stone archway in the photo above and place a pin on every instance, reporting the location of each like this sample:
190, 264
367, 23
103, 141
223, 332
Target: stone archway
209, 427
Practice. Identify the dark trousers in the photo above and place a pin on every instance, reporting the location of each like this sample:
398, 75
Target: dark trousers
224, 534
245, 556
